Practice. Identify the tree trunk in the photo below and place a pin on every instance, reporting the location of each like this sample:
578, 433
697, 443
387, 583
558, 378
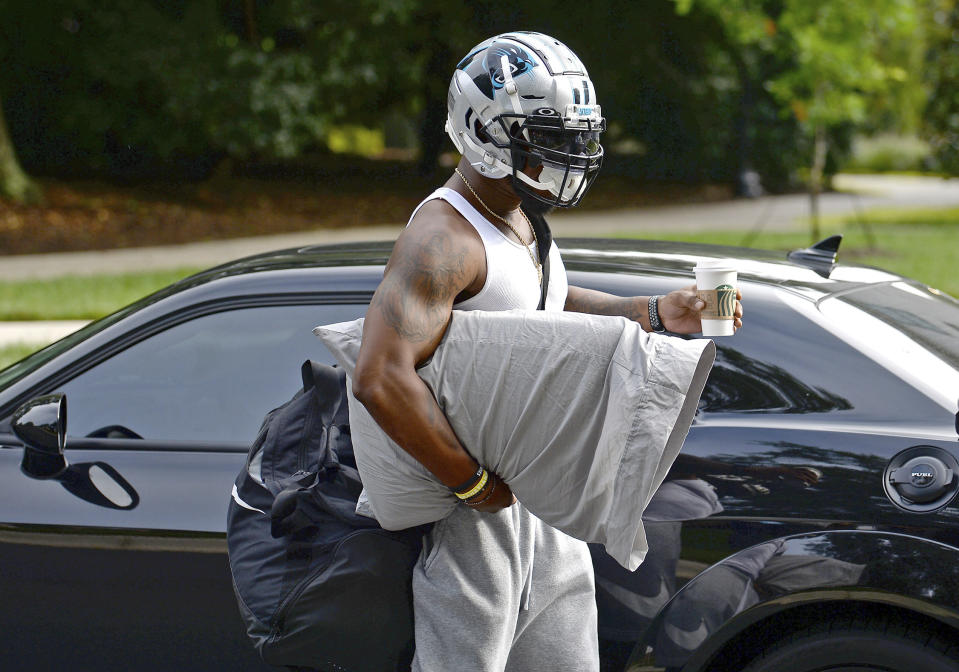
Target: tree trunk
14, 183
820, 145
249, 17
747, 180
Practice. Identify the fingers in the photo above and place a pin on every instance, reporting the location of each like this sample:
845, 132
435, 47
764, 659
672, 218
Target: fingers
497, 498
693, 302
681, 309
686, 298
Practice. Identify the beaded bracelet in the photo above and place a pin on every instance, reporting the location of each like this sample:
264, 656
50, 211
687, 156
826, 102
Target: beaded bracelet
470, 483
654, 321
486, 498
476, 489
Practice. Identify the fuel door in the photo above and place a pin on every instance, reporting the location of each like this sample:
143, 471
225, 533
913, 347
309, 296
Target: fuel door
922, 479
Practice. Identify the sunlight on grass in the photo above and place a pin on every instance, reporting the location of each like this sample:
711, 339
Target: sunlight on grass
14, 353
355, 140
921, 244
79, 297
918, 217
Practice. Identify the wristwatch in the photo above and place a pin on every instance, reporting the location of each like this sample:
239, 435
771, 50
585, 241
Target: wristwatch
655, 323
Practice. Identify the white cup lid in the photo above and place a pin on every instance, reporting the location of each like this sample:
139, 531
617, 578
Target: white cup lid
716, 265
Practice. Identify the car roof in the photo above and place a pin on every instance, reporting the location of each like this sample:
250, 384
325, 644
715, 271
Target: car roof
349, 273
627, 256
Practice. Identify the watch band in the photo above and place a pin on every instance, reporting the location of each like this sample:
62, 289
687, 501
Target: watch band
655, 323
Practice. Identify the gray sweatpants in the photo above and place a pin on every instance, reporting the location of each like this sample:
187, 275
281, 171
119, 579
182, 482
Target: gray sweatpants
503, 592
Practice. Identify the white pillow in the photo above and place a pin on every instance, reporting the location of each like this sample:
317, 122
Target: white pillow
582, 415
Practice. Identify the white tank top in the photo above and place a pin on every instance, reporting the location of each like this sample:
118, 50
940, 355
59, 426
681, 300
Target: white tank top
510, 275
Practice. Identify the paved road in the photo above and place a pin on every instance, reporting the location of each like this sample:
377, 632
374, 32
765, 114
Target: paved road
770, 212
858, 193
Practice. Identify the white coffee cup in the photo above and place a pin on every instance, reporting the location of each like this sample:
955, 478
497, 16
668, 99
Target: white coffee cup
716, 285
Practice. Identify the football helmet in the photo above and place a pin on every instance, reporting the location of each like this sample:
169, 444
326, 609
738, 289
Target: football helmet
524, 99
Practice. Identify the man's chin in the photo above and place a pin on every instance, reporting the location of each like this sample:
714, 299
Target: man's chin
535, 206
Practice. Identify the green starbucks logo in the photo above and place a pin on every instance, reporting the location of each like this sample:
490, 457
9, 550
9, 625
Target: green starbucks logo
725, 300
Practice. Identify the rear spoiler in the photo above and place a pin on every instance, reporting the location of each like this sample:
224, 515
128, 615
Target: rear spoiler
820, 257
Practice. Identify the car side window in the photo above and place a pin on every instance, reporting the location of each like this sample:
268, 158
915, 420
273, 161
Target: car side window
782, 362
212, 378
741, 383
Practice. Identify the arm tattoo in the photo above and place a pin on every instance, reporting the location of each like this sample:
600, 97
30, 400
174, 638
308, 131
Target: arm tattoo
600, 303
420, 284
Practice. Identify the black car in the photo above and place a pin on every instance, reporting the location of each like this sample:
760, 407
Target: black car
805, 526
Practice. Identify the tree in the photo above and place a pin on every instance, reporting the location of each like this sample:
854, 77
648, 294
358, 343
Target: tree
133, 87
841, 68
941, 118
841, 60
14, 183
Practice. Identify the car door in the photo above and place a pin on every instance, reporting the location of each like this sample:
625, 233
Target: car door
148, 587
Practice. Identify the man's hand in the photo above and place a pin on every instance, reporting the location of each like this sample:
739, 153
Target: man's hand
681, 311
494, 497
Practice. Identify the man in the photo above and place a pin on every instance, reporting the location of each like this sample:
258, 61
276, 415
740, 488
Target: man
495, 588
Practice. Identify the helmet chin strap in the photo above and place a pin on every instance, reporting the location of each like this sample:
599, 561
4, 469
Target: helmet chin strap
540, 186
488, 164
510, 86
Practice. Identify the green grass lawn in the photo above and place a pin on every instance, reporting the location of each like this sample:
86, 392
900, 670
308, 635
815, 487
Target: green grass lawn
79, 297
12, 353
921, 244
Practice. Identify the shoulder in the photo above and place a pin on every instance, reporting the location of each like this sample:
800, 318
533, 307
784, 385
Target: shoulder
439, 254
440, 215
438, 233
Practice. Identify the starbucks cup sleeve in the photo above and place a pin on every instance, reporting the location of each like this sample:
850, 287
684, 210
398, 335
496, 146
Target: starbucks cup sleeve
716, 285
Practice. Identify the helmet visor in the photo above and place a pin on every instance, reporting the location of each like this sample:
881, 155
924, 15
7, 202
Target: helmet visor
570, 143
570, 153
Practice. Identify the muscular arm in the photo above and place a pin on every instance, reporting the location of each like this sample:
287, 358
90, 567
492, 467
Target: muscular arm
433, 261
679, 310
580, 300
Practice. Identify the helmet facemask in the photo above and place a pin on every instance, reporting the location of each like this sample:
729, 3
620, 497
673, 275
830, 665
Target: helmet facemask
570, 155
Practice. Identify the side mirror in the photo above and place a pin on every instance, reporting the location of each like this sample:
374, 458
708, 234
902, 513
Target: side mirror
41, 424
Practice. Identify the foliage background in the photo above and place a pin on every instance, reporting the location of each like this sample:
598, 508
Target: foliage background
696, 91
140, 88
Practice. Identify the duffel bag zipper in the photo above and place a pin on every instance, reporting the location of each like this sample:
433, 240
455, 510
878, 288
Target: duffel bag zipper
302, 457
279, 616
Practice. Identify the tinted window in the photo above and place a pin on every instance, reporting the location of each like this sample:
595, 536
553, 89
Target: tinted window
780, 362
212, 378
740, 383
906, 328
927, 316
785, 361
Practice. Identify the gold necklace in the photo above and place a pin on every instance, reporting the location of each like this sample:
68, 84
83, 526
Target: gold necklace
538, 266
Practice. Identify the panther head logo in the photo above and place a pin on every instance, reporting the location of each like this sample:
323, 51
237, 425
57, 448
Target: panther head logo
492, 77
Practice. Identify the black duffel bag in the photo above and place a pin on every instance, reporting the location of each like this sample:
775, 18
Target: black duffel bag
319, 587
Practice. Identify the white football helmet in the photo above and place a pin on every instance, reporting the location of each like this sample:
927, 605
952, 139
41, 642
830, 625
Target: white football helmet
522, 99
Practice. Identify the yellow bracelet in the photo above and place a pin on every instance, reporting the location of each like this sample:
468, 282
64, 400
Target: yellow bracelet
486, 498
476, 489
